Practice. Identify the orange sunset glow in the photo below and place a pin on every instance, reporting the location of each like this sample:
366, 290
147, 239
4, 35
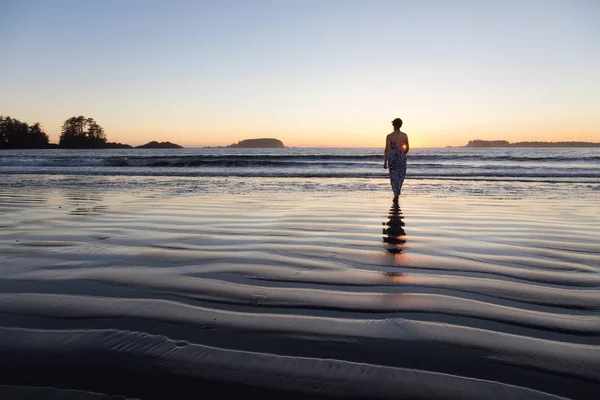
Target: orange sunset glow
333, 78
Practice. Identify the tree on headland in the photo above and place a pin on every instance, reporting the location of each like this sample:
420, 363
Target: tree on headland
15, 134
80, 132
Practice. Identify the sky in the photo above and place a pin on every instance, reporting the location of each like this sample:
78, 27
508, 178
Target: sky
312, 73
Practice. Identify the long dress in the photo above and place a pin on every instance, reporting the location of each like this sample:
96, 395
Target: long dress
397, 167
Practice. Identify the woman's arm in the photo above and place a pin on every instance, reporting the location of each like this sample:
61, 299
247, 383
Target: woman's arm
385, 152
407, 148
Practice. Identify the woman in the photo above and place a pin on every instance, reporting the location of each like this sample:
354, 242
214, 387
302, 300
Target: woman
396, 147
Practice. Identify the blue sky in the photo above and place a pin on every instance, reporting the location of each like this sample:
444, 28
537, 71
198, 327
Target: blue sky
312, 73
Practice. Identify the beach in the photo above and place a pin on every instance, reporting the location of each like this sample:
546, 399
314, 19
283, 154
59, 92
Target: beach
302, 293
300, 200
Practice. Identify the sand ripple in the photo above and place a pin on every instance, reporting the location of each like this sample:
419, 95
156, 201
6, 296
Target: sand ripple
318, 296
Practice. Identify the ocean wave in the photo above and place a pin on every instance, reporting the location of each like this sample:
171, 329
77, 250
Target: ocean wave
271, 160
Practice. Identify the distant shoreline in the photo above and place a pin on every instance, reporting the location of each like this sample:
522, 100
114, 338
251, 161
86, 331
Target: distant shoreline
504, 143
106, 146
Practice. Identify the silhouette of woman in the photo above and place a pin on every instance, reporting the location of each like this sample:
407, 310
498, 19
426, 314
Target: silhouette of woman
396, 147
394, 233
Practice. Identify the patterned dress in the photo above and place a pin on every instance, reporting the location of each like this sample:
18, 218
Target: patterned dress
397, 167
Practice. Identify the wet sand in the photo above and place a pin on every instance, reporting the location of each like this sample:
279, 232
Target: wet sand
267, 295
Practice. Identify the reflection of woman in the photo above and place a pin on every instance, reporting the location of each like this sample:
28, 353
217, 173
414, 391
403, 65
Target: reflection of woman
396, 147
395, 237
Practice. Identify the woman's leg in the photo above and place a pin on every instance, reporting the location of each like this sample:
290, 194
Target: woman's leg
400, 172
396, 181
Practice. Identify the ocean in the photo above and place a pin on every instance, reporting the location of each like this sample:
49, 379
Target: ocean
491, 172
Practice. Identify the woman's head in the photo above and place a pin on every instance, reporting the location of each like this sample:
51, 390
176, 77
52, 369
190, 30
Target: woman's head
397, 123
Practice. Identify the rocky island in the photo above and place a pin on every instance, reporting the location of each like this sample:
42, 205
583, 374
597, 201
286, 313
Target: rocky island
162, 145
263, 143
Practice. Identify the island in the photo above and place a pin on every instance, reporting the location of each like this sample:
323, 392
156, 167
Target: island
505, 143
262, 143
77, 133
162, 145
